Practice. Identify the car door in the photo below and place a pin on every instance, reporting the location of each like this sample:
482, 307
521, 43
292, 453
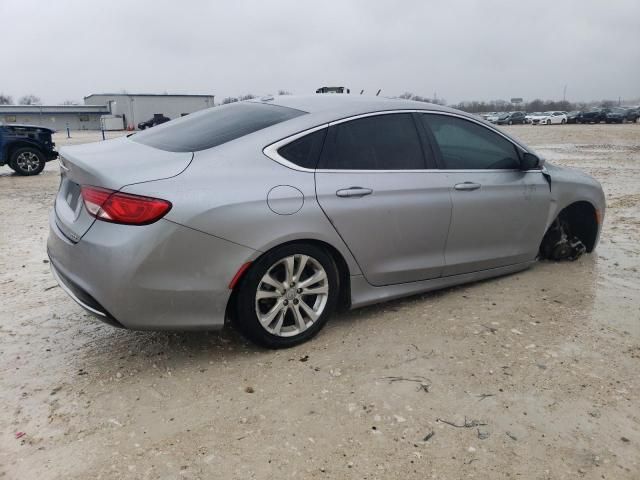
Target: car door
392, 212
499, 211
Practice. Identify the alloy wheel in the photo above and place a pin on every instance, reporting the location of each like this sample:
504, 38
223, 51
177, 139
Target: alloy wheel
28, 162
292, 295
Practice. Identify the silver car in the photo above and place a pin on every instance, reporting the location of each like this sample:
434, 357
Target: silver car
275, 212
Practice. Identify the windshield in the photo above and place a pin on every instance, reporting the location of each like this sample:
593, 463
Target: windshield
214, 126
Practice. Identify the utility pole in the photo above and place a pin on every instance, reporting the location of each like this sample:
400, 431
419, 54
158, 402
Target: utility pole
564, 94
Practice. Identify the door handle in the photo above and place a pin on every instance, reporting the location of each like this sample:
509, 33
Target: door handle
467, 186
354, 192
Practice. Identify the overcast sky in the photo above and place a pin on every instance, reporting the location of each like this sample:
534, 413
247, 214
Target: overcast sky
459, 49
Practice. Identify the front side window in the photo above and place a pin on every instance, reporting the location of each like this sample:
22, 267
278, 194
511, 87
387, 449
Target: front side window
465, 145
380, 142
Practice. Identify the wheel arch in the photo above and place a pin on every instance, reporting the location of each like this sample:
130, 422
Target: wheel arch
344, 299
18, 144
582, 216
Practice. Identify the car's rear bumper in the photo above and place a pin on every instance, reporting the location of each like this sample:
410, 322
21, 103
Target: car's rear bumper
155, 277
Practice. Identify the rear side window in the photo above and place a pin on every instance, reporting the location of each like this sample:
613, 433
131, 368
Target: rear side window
214, 126
304, 151
381, 142
465, 145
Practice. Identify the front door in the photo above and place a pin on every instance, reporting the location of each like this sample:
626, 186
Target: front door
499, 211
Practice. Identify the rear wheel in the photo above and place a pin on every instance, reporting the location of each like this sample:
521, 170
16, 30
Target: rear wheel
287, 295
27, 161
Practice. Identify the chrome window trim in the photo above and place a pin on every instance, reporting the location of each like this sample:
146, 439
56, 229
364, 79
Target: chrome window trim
271, 150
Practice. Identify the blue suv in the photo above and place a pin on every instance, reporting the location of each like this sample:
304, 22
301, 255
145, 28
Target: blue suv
26, 148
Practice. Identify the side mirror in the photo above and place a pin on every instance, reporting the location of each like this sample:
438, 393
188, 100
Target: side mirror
531, 161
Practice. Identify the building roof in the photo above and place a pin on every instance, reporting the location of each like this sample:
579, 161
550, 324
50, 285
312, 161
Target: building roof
144, 95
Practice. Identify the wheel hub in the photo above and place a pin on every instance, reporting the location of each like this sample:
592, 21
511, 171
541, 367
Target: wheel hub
292, 295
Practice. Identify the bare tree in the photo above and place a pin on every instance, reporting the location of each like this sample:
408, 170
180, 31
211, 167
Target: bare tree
248, 96
70, 102
284, 92
30, 99
5, 99
228, 100
406, 95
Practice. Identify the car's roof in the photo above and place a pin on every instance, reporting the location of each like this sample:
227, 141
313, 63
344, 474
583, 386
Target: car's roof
346, 104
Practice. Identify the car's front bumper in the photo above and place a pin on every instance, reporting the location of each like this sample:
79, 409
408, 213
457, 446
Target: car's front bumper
155, 277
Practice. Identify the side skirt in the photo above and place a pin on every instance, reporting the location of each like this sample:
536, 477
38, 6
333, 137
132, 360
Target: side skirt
363, 293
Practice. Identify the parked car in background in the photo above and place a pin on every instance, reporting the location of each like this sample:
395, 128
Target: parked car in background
593, 115
26, 148
493, 117
615, 115
632, 114
574, 117
511, 118
550, 118
158, 119
237, 212
534, 118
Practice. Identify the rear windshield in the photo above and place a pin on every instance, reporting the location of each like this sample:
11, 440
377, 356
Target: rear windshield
214, 126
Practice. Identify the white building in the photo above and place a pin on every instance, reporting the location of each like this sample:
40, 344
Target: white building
137, 108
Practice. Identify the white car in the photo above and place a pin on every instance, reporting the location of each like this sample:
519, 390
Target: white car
549, 118
493, 117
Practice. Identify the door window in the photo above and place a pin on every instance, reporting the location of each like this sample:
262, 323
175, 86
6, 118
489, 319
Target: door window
381, 142
465, 145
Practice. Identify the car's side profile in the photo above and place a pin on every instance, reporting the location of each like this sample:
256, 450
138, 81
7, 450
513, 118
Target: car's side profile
276, 212
511, 118
550, 118
26, 148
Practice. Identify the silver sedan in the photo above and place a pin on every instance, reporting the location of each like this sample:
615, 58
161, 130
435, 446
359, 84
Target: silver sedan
273, 213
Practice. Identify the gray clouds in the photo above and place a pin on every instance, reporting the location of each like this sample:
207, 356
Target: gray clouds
460, 49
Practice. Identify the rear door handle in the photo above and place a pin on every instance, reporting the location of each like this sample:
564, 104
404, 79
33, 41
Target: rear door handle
354, 192
467, 186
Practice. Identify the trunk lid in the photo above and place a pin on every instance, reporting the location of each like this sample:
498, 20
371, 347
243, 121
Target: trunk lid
111, 164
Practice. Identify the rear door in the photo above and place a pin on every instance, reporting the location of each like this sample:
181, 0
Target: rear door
374, 186
499, 211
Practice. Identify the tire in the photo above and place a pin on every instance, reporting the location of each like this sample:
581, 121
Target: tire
27, 161
563, 121
510, 122
284, 316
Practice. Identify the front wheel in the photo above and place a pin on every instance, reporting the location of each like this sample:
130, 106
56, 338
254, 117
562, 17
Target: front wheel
563, 121
287, 295
27, 161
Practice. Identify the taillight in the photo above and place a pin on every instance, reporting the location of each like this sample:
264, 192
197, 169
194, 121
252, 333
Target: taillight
125, 208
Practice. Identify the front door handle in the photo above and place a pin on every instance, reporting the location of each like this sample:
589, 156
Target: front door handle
467, 186
354, 192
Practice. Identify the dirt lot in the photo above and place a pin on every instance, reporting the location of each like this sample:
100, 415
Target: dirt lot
541, 367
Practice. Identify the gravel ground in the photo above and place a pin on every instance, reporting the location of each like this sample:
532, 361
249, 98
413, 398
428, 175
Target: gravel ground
531, 376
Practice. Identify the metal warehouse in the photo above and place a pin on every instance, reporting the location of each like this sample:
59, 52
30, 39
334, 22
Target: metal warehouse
57, 117
136, 108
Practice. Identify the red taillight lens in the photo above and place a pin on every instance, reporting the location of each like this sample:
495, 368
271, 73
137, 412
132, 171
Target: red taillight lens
117, 207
